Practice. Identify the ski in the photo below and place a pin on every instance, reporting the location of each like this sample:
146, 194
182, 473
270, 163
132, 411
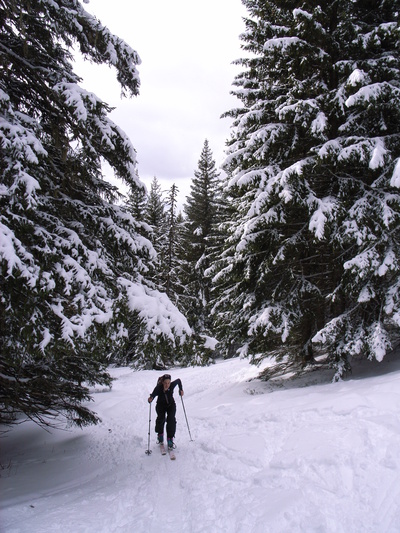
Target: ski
172, 455
162, 449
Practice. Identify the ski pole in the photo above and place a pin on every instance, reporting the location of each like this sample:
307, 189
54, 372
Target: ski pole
187, 423
148, 451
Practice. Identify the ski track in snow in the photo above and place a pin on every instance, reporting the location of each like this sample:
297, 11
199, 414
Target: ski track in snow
317, 459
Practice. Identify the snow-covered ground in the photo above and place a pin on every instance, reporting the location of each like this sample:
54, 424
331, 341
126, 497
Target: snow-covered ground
316, 459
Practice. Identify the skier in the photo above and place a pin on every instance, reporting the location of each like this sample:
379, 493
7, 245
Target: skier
166, 407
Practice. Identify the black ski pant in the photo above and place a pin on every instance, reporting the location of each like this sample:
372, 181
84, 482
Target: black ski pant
168, 411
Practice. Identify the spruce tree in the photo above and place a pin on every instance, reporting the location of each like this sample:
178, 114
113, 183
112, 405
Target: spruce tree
156, 217
73, 263
201, 210
155, 207
136, 203
162, 350
313, 159
171, 251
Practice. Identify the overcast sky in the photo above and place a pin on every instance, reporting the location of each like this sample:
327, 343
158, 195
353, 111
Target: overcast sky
187, 49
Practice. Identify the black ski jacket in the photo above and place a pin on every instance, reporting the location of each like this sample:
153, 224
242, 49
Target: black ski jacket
166, 397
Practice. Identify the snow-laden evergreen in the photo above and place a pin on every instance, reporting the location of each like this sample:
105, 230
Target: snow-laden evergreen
312, 254
198, 247
155, 215
170, 266
319, 459
74, 264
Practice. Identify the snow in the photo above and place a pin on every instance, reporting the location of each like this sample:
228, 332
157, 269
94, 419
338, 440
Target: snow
390, 262
320, 123
285, 177
301, 12
47, 337
378, 155
160, 315
323, 458
357, 76
281, 42
371, 92
209, 342
395, 181
379, 341
319, 217
11, 249
75, 97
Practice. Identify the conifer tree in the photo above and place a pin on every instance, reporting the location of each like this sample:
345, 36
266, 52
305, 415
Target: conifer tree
155, 208
313, 164
73, 263
171, 251
156, 217
164, 222
201, 210
136, 203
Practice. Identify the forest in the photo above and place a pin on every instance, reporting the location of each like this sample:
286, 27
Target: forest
289, 252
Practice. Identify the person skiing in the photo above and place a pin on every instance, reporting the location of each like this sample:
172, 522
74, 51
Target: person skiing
166, 407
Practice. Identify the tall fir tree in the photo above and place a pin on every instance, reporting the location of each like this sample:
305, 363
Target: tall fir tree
136, 203
198, 245
73, 263
156, 217
164, 223
155, 207
170, 265
312, 255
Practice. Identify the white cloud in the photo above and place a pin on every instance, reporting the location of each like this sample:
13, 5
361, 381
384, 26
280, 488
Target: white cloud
186, 77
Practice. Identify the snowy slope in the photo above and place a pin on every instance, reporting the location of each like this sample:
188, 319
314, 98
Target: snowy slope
324, 458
